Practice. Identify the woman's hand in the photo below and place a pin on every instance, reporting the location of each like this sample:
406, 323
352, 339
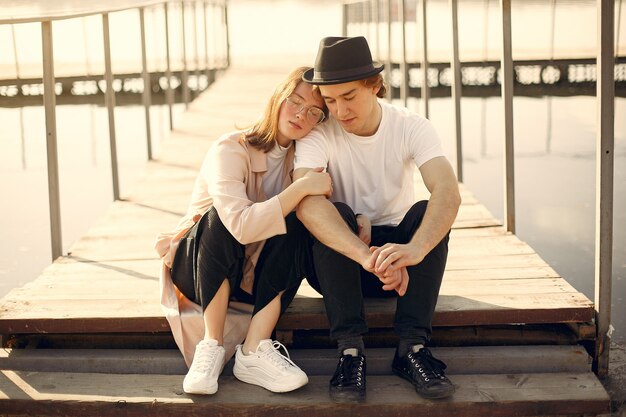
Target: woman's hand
317, 182
365, 228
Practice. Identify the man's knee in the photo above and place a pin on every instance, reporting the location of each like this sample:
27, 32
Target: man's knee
418, 210
347, 214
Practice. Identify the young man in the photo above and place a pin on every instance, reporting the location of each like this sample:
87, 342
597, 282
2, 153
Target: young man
393, 245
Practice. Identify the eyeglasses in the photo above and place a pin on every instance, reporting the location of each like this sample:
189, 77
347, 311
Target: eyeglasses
314, 115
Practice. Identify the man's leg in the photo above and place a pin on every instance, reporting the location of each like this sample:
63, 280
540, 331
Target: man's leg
415, 310
340, 284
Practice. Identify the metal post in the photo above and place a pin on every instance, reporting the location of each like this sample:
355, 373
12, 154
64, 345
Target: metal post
549, 98
185, 74
147, 83
17, 76
378, 54
207, 67
404, 87
109, 98
507, 98
604, 181
227, 35
389, 63
169, 93
195, 45
49, 101
366, 17
456, 89
344, 19
618, 28
425, 87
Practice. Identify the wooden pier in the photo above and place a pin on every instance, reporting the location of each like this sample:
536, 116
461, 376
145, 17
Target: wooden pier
88, 336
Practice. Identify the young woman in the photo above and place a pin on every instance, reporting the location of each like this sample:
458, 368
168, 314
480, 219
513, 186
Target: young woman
241, 241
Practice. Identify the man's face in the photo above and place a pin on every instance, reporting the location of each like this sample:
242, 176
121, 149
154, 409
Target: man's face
354, 106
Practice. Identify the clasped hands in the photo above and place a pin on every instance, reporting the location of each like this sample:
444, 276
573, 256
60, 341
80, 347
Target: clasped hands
388, 262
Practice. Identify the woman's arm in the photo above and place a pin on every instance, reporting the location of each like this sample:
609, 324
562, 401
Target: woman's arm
315, 182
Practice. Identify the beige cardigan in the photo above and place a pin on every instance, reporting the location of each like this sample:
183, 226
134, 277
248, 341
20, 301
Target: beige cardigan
230, 180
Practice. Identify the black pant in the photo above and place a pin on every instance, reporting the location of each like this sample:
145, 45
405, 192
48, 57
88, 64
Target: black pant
208, 254
343, 282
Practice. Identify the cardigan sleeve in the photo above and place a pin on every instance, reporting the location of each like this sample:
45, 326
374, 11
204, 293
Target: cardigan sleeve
227, 174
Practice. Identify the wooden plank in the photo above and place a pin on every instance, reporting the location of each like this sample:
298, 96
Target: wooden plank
47, 394
460, 361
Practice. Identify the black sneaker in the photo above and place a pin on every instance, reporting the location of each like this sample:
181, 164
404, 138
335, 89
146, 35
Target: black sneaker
348, 383
425, 372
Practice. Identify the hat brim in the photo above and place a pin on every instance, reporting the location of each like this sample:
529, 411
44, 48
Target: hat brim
308, 76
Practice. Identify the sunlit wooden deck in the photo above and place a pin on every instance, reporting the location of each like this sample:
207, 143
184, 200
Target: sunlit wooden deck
496, 291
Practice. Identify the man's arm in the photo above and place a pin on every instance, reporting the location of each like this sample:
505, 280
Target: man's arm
442, 209
323, 220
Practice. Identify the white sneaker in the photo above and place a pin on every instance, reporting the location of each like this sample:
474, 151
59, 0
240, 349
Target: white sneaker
268, 368
207, 365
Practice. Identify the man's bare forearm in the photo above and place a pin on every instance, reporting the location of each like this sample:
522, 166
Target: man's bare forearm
323, 220
441, 212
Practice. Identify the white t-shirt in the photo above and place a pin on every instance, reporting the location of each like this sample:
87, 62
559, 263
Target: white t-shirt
273, 178
373, 174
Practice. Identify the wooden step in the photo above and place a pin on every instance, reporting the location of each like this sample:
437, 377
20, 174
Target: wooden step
465, 360
73, 394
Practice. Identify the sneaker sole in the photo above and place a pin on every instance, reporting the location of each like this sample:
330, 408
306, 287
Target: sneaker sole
346, 396
435, 396
205, 390
243, 375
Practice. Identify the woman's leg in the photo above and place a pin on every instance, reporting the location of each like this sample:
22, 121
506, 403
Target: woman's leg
262, 324
215, 314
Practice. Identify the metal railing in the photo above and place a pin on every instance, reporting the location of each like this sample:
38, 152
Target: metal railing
45, 13
354, 11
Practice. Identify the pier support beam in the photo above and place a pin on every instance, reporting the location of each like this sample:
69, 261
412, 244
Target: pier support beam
109, 98
507, 97
49, 101
604, 181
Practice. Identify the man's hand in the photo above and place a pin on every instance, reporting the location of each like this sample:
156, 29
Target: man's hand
397, 280
390, 257
365, 228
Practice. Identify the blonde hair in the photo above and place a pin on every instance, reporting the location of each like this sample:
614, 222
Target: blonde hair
263, 133
376, 80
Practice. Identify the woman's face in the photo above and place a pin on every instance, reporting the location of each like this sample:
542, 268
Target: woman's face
298, 114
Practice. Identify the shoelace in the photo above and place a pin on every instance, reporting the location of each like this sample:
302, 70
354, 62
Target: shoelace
351, 370
426, 365
274, 355
204, 359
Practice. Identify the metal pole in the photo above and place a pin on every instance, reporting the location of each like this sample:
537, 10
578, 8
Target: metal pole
404, 87
549, 98
456, 89
378, 54
185, 75
207, 68
227, 35
367, 17
147, 83
17, 76
507, 98
604, 181
109, 98
618, 28
389, 64
344, 19
49, 102
169, 93
195, 45
425, 88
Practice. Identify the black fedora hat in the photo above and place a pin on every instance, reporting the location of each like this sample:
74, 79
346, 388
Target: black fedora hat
341, 60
